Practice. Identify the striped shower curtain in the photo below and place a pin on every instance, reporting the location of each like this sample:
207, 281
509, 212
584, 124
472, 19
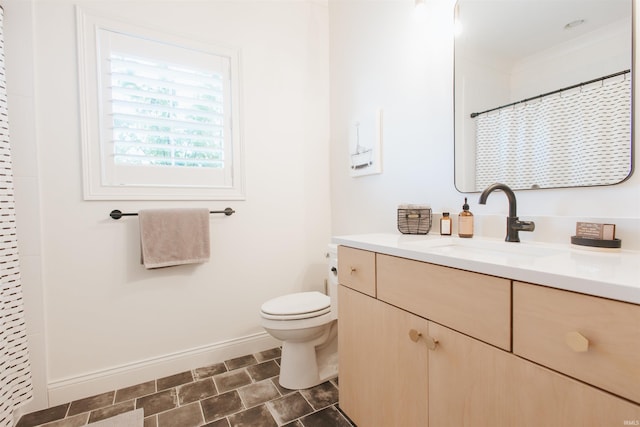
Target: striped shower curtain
578, 138
15, 375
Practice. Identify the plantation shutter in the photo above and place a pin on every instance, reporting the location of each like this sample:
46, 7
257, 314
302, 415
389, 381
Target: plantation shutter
166, 115
166, 112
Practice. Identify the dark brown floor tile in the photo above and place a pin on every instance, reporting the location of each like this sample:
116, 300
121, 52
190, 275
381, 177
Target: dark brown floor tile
174, 380
184, 416
240, 362
91, 403
222, 405
254, 417
195, 391
158, 402
151, 421
74, 421
231, 380
322, 395
111, 411
327, 417
255, 394
222, 422
209, 371
294, 424
289, 408
273, 353
264, 370
283, 391
43, 416
135, 391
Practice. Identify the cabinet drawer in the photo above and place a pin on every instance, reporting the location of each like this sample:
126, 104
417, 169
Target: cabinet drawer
357, 269
593, 339
471, 303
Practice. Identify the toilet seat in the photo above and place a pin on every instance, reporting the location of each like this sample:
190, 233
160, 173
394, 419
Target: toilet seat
301, 305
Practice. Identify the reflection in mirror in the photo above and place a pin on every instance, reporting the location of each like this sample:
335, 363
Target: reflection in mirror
548, 84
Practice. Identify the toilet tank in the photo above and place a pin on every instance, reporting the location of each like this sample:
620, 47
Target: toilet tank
332, 277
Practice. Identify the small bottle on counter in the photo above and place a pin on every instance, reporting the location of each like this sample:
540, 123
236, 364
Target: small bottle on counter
465, 221
445, 224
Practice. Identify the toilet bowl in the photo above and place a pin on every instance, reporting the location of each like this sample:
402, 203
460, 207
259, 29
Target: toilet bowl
306, 323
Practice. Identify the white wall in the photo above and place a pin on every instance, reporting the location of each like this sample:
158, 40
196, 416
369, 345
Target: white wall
381, 56
106, 317
482, 82
597, 53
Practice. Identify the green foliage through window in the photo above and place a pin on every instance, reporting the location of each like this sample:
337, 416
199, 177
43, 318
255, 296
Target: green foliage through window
166, 114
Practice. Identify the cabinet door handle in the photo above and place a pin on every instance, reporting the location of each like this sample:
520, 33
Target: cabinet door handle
352, 270
415, 336
577, 342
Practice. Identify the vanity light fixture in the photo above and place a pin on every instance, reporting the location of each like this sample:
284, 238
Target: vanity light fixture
420, 10
457, 24
573, 24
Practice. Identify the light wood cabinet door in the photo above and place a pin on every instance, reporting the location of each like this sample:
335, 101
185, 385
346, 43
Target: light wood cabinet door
468, 382
541, 397
593, 339
382, 371
474, 384
357, 269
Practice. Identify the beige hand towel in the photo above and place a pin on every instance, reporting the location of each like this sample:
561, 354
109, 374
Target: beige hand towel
173, 236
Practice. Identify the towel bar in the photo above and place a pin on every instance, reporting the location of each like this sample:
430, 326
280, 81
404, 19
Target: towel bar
116, 214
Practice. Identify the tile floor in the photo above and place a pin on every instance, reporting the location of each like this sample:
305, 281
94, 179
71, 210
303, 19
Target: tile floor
239, 392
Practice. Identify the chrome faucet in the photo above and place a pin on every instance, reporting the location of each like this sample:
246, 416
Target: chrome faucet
514, 225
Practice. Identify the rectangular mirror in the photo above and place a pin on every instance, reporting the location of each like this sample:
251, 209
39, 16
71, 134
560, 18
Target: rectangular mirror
543, 93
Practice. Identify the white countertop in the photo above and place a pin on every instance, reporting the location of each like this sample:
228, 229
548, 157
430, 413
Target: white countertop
606, 273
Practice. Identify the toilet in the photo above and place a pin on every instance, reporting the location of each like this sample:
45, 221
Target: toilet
307, 325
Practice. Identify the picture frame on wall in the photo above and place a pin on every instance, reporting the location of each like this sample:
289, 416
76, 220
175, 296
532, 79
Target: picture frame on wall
365, 144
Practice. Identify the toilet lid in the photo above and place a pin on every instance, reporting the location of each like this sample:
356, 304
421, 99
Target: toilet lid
297, 306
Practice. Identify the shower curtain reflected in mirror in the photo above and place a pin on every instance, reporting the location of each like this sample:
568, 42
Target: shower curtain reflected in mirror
15, 373
577, 137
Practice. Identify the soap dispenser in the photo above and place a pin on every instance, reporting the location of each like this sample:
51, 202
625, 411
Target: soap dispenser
465, 221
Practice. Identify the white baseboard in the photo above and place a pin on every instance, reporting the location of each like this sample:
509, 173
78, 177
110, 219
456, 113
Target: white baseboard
86, 385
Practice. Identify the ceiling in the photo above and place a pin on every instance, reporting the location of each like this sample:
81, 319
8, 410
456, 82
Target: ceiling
519, 28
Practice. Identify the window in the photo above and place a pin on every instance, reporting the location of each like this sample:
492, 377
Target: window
160, 115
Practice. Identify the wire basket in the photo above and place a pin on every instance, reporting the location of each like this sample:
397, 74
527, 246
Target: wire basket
414, 220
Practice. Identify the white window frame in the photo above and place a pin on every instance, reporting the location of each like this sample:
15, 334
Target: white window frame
97, 156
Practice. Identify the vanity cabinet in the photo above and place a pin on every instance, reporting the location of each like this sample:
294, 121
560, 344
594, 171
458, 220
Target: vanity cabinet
429, 345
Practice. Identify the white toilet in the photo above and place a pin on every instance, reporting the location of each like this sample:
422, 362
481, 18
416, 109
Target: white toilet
307, 325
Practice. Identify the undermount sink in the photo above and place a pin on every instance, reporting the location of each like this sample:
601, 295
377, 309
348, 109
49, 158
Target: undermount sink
473, 248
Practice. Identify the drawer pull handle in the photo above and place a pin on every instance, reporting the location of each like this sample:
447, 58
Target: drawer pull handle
429, 341
577, 342
352, 270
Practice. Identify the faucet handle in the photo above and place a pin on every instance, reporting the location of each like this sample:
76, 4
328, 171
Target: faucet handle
524, 225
